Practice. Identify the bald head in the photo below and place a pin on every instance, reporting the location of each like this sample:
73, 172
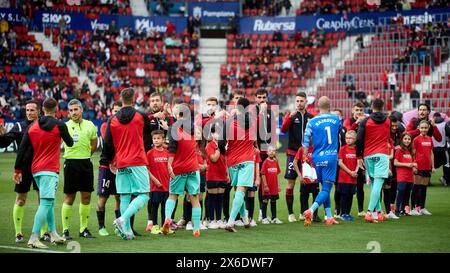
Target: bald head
324, 104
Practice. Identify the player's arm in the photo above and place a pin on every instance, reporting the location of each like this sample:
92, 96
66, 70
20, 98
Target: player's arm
307, 139
257, 178
215, 157
24, 149
64, 132
436, 134
286, 122
154, 179
8, 138
432, 162
94, 142
297, 170
108, 151
264, 182
203, 166
173, 145
410, 129
346, 169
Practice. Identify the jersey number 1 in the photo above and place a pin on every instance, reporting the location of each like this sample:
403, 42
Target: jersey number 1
328, 129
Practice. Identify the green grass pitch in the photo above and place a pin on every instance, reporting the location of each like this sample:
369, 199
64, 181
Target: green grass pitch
409, 234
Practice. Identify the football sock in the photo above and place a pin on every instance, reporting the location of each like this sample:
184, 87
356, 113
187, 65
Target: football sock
196, 215
18, 212
149, 210
84, 216
273, 209
154, 213
250, 206
117, 213
101, 219
219, 204
174, 209
66, 215
324, 196
41, 215
170, 205
135, 205
375, 194
290, 200
264, 210
237, 204
49, 225
125, 200
211, 202
44, 228
314, 206
201, 207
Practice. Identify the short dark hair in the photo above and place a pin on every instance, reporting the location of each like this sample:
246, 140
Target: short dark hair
301, 94
158, 132
243, 102
393, 118
238, 92
437, 115
212, 99
426, 105
337, 110
378, 104
127, 95
155, 94
359, 105
261, 91
117, 103
50, 105
32, 102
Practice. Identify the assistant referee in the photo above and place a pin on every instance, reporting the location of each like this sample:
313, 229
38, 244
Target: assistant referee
78, 169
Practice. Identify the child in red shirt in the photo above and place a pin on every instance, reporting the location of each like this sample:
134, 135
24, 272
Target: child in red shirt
404, 163
423, 147
348, 171
157, 159
216, 181
308, 186
270, 187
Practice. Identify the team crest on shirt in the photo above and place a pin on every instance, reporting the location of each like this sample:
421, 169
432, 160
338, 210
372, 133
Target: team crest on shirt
160, 159
296, 120
76, 137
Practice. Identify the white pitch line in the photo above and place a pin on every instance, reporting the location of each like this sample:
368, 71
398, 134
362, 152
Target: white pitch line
32, 249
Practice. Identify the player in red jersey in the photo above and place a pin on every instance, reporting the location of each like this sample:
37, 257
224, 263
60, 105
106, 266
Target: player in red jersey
404, 162
240, 134
42, 142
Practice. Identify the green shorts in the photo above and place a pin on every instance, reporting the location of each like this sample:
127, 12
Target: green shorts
47, 183
132, 180
189, 181
242, 174
377, 166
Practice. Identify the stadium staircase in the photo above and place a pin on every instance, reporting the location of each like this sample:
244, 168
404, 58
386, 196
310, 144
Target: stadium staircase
345, 51
139, 8
212, 54
55, 54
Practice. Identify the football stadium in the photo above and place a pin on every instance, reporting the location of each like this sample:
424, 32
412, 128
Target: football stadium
204, 126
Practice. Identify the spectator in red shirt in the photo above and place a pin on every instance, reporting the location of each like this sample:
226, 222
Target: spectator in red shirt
404, 163
170, 28
269, 173
423, 147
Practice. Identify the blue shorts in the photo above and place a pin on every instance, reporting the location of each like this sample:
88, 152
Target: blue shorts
242, 174
377, 166
132, 180
106, 182
326, 170
290, 171
47, 183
